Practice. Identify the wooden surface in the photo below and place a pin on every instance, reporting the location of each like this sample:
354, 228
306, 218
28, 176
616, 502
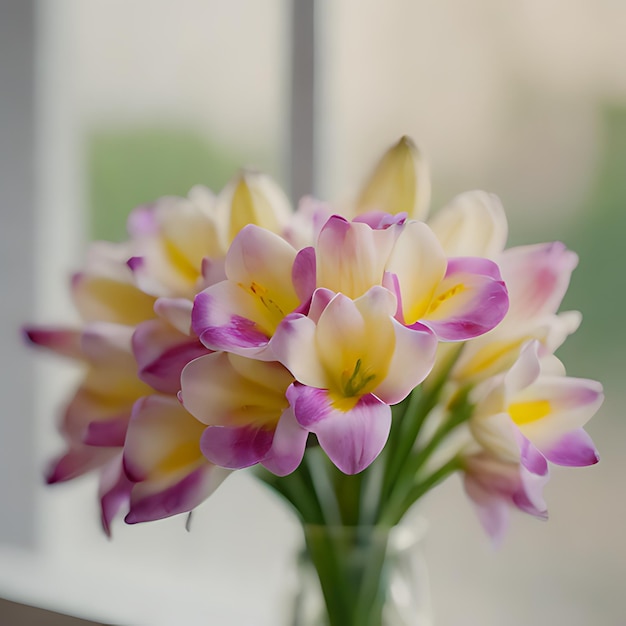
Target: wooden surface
20, 615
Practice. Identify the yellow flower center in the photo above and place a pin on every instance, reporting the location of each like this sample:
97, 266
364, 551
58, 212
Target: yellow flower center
526, 412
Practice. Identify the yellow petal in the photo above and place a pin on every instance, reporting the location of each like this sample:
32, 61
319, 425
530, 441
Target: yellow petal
253, 198
400, 182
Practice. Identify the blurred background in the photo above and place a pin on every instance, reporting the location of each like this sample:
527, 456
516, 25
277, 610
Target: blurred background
107, 104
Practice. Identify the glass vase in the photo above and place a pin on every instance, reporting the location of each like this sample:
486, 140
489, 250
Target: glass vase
362, 576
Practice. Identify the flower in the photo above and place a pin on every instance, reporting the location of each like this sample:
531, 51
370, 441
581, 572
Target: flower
399, 183
350, 363
266, 279
163, 462
243, 403
535, 399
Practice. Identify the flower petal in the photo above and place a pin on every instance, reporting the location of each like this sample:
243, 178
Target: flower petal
252, 198
351, 256
114, 492
226, 317
400, 182
151, 501
63, 341
352, 439
412, 361
287, 447
161, 352
235, 448
472, 224
223, 389
163, 439
419, 263
469, 301
574, 449
537, 278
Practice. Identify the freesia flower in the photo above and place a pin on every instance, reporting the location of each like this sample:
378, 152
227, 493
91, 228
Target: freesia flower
548, 408
350, 363
163, 462
536, 277
251, 198
495, 486
95, 420
471, 224
243, 403
266, 279
400, 183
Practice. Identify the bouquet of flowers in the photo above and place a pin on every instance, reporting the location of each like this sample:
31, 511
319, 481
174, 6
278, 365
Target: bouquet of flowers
356, 357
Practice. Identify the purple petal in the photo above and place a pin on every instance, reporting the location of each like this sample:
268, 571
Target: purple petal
147, 505
530, 457
108, 433
491, 508
234, 448
575, 449
219, 328
162, 352
537, 276
78, 461
287, 446
478, 306
303, 273
352, 438
64, 341
114, 493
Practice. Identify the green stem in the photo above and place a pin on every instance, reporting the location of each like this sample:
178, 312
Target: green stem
409, 420
404, 492
396, 510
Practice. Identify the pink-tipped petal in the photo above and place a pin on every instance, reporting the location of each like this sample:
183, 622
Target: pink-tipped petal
574, 449
223, 389
294, 346
114, 492
63, 341
235, 448
149, 502
161, 352
353, 438
537, 278
303, 273
287, 447
78, 460
470, 301
110, 432
226, 317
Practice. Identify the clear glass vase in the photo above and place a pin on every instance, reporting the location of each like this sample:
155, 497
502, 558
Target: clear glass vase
363, 576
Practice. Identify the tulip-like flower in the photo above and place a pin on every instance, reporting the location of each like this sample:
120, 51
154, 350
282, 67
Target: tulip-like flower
548, 408
400, 183
163, 463
495, 486
537, 278
243, 403
350, 364
266, 279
